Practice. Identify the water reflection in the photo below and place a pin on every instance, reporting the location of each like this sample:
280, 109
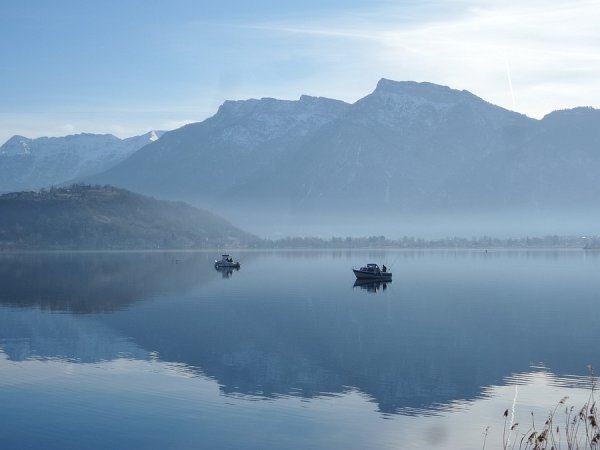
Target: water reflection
226, 272
371, 286
454, 325
96, 282
35, 334
151, 404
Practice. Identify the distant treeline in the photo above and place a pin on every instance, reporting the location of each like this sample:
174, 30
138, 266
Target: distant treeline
482, 242
104, 217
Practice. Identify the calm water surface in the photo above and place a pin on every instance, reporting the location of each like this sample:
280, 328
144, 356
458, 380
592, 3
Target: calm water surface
159, 350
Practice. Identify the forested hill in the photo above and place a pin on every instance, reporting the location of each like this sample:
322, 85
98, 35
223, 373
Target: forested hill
105, 217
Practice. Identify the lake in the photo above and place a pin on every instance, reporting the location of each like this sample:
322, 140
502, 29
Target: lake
160, 350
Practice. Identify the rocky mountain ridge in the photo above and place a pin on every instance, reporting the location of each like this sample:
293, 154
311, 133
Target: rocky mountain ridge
42, 162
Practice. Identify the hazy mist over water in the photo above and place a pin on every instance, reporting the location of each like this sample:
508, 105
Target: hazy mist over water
147, 350
364, 221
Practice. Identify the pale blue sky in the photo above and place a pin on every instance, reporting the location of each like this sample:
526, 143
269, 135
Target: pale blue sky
125, 67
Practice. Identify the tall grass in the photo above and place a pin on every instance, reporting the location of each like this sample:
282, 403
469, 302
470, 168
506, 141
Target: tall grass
565, 427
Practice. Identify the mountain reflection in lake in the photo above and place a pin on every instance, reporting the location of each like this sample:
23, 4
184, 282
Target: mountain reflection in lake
154, 350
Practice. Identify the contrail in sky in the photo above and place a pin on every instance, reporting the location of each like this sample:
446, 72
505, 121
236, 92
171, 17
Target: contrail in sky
512, 92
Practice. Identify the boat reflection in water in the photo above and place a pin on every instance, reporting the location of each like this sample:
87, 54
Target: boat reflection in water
226, 272
371, 285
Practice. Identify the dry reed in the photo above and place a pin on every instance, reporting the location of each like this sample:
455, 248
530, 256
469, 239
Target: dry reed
579, 430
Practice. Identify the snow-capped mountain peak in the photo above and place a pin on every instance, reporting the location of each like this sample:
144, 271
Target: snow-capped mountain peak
34, 163
16, 145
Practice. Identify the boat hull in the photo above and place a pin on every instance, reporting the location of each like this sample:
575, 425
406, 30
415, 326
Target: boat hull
362, 275
227, 265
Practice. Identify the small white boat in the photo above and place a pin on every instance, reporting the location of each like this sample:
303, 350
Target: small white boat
372, 272
226, 261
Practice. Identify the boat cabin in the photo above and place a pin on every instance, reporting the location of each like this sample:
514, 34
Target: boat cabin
371, 268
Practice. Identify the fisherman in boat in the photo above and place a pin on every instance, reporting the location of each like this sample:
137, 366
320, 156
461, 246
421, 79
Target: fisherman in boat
384, 269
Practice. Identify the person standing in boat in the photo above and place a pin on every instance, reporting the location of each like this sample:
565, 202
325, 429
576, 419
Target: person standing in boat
384, 269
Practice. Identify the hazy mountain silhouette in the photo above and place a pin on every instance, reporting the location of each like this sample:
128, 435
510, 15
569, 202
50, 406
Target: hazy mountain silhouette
35, 163
203, 162
407, 147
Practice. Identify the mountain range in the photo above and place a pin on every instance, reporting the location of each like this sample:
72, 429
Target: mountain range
407, 149
49, 161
